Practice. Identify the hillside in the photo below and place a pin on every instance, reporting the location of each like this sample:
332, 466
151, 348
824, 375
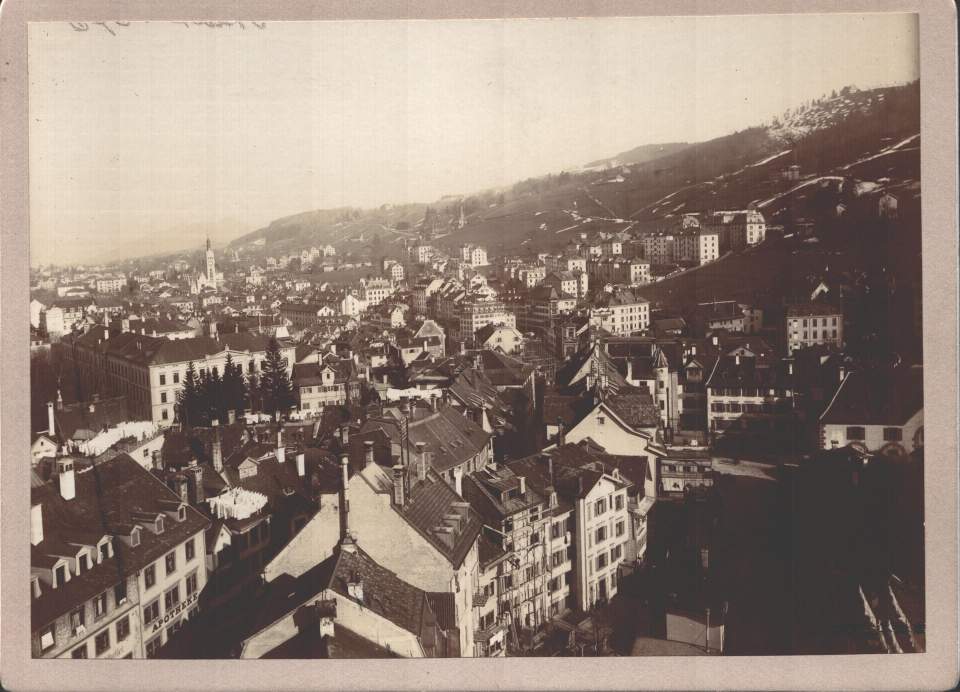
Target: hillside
853, 133
641, 154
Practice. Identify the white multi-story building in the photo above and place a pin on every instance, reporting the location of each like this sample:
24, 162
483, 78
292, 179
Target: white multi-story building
659, 247
113, 574
374, 291
621, 313
614, 270
697, 245
474, 255
110, 284
814, 324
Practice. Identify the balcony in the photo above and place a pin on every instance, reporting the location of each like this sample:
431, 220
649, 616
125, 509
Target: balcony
480, 599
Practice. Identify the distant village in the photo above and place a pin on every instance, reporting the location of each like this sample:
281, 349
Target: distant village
454, 453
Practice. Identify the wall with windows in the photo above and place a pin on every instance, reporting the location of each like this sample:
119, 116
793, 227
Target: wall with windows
875, 437
107, 626
170, 591
603, 530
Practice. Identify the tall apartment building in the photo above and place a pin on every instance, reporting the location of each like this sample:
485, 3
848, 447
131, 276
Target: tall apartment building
117, 561
697, 245
630, 272
517, 521
565, 263
621, 313
659, 247
476, 314
110, 284
374, 291
814, 324
474, 255
751, 394
150, 371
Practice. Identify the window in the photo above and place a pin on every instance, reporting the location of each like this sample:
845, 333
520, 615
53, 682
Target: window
171, 599
102, 642
176, 377
856, 433
616, 553
600, 420
556, 530
171, 561
508, 581
619, 502
558, 558
153, 647
47, 638
83, 564
190, 550
599, 507
163, 379
892, 434
163, 397
601, 561
601, 534
191, 584
135, 537
620, 528
158, 525
172, 629
105, 550
76, 619
80, 651
61, 573
100, 605
123, 628
151, 612
164, 415
149, 576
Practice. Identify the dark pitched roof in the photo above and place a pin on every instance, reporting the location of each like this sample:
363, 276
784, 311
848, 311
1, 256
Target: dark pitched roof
750, 372
426, 508
86, 419
887, 396
635, 407
109, 498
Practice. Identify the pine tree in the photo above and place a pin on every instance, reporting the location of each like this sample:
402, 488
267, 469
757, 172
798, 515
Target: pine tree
213, 399
275, 386
188, 398
234, 388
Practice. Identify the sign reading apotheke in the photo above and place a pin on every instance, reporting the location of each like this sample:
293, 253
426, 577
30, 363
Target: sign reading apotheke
170, 614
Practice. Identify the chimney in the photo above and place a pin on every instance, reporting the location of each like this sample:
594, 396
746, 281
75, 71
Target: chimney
59, 400
281, 450
843, 374
66, 479
345, 434
194, 474
629, 370
458, 481
51, 426
737, 358
36, 524
523, 485
368, 452
231, 416
399, 494
561, 433
790, 368
421, 461
344, 501
217, 451
693, 350
156, 461
181, 486
716, 340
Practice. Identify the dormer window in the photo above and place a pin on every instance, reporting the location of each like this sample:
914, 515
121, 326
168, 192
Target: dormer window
182, 513
135, 537
158, 525
83, 563
59, 576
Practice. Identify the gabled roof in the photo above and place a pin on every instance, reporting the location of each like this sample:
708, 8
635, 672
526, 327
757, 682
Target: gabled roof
110, 498
428, 504
84, 420
888, 396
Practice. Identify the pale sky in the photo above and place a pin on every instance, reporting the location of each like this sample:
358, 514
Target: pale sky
161, 125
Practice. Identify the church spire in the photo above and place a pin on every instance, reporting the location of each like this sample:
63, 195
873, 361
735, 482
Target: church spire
208, 242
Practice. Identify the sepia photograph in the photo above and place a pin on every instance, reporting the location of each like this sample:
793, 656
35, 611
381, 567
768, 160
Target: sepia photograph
574, 337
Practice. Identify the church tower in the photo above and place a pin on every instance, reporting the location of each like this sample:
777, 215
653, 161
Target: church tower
211, 265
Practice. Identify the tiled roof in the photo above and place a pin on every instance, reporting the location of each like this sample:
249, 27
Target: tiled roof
427, 505
889, 396
635, 407
81, 419
108, 498
750, 373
